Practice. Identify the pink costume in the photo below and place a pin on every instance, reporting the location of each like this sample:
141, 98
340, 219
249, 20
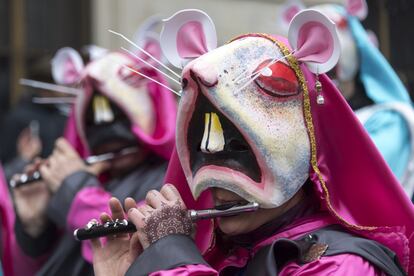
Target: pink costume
351, 188
6, 230
11, 255
147, 109
90, 202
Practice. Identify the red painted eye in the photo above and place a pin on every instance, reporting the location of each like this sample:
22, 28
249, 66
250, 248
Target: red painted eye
277, 80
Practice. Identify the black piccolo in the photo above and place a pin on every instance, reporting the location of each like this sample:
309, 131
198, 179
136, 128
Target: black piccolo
36, 176
95, 230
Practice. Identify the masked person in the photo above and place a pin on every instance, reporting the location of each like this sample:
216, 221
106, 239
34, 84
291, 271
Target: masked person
260, 123
6, 229
118, 110
373, 90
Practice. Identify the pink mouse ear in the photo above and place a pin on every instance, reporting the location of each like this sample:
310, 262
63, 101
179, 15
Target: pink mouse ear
315, 41
187, 35
287, 11
147, 37
94, 51
358, 8
147, 31
67, 66
372, 37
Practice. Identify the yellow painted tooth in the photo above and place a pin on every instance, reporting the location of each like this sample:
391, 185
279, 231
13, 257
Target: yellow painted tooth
213, 136
96, 110
107, 111
102, 110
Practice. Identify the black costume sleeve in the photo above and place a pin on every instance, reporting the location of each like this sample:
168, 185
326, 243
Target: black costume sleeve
61, 201
169, 252
35, 247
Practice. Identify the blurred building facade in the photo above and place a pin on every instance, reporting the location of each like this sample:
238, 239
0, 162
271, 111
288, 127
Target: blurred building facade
30, 30
30, 33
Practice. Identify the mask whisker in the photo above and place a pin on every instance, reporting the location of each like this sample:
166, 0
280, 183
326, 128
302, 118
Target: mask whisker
254, 76
50, 87
54, 100
151, 79
145, 52
152, 66
239, 77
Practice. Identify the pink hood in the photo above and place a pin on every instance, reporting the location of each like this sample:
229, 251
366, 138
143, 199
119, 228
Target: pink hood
7, 222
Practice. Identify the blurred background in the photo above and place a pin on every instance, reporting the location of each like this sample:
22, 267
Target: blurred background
32, 31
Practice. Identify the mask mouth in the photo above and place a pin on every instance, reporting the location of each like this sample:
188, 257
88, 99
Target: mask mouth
117, 129
214, 140
229, 204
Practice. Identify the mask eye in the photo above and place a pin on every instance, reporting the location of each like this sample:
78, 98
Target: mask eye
277, 80
131, 78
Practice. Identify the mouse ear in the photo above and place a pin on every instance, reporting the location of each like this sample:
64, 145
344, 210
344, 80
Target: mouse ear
67, 66
187, 35
147, 31
287, 11
372, 37
147, 37
94, 51
358, 8
315, 41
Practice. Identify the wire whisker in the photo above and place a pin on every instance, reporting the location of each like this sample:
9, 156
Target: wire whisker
255, 75
152, 66
240, 76
145, 52
54, 100
50, 86
151, 79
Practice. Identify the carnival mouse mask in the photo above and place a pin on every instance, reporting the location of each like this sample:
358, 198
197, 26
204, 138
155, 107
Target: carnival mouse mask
240, 121
115, 83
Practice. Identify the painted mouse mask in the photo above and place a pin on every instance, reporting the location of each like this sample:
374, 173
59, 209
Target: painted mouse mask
225, 135
241, 123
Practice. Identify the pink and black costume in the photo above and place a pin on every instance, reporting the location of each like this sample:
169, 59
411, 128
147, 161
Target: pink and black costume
116, 105
258, 118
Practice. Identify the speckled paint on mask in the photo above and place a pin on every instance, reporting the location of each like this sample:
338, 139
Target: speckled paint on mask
106, 73
273, 126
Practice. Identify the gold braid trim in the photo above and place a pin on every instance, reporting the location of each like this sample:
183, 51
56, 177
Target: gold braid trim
309, 125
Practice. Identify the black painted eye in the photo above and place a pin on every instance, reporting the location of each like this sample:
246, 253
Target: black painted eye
184, 83
278, 79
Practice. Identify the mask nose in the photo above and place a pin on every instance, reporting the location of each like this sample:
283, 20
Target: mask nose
205, 73
213, 136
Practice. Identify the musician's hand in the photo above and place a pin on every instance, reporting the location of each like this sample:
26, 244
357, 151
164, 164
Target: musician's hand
117, 255
28, 146
31, 202
163, 214
63, 162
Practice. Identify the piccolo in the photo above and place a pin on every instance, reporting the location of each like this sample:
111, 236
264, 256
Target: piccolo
95, 230
36, 176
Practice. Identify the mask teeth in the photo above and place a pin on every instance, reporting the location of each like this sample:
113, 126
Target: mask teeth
102, 110
213, 136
